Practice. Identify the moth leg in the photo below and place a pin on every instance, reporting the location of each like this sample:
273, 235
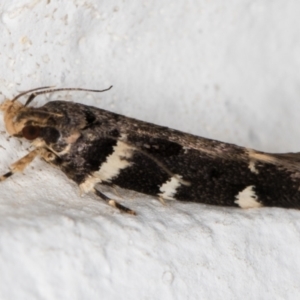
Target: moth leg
114, 203
20, 164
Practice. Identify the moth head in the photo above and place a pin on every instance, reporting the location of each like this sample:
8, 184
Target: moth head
17, 117
11, 110
34, 124
48, 125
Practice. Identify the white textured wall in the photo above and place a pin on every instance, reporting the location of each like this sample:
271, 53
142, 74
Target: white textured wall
224, 70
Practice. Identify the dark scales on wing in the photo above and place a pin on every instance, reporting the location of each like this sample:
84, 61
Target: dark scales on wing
146, 175
217, 179
90, 148
85, 158
146, 179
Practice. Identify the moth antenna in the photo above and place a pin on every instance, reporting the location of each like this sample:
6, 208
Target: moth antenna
29, 91
32, 96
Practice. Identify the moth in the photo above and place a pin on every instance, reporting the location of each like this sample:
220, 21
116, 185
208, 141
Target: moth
95, 147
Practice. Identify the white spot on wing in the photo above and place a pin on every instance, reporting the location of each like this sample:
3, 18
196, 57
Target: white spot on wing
169, 188
247, 198
116, 162
110, 169
252, 167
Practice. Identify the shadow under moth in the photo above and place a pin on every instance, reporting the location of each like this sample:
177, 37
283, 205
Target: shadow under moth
95, 147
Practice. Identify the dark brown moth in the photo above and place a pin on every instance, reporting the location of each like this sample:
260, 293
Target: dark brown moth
95, 147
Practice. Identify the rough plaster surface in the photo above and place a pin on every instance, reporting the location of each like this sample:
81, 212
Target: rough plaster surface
224, 70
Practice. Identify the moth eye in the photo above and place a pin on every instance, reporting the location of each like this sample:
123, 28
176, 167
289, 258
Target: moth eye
31, 132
